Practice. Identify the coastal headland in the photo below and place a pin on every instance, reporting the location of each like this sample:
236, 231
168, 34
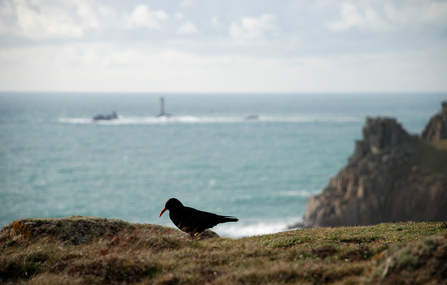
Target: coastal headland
392, 176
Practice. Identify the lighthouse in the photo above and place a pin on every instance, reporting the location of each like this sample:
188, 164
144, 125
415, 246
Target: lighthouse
162, 108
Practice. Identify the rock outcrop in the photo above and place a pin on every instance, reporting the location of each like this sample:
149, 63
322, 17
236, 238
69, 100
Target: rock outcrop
436, 129
383, 181
77, 230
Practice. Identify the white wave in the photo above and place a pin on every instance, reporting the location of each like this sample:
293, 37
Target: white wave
75, 120
151, 120
238, 230
279, 194
310, 119
194, 119
301, 193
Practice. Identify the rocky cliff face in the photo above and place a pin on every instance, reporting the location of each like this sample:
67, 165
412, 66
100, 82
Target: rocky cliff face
382, 182
436, 129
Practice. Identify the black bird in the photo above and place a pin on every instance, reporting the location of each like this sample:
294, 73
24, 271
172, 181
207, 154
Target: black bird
191, 220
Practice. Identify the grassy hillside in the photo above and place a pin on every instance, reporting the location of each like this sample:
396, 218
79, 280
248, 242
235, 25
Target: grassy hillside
82, 250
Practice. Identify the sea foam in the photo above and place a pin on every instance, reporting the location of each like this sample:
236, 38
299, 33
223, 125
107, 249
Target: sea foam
124, 120
238, 230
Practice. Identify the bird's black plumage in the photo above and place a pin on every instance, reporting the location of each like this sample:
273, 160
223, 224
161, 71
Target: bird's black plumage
191, 220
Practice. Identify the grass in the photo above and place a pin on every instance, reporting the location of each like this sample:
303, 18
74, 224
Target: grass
149, 254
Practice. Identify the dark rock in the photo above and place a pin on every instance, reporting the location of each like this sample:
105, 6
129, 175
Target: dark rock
381, 183
436, 129
379, 134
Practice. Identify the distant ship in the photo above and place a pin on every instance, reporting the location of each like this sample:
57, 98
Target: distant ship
109, 117
251, 117
162, 109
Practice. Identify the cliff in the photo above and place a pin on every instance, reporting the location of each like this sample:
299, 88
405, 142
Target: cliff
436, 129
391, 176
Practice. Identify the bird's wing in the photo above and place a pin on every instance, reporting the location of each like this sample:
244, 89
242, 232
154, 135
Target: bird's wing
203, 218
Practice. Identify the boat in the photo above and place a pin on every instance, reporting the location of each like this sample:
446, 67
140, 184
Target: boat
251, 117
108, 117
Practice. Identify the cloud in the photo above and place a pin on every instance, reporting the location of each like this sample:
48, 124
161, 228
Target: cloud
316, 46
102, 67
353, 17
179, 15
249, 27
43, 20
142, 16
188, 28
423, 12
186, 3
215, 22
388, 16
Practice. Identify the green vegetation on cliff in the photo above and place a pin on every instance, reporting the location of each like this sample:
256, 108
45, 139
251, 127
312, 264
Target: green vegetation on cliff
79, 250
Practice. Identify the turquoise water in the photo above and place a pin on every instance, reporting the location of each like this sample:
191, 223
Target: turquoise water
56, 162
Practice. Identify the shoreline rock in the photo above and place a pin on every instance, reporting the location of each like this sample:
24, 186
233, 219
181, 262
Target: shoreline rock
387, 178
436, 128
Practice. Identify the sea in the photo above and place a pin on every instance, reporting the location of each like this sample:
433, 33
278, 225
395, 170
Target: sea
257, 157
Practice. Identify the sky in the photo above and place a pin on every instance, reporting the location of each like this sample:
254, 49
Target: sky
218, 46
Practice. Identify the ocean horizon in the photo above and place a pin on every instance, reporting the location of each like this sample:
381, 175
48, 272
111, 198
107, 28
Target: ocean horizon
258, 157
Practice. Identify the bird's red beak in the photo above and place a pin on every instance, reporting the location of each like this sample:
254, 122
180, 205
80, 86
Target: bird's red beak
164, 209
